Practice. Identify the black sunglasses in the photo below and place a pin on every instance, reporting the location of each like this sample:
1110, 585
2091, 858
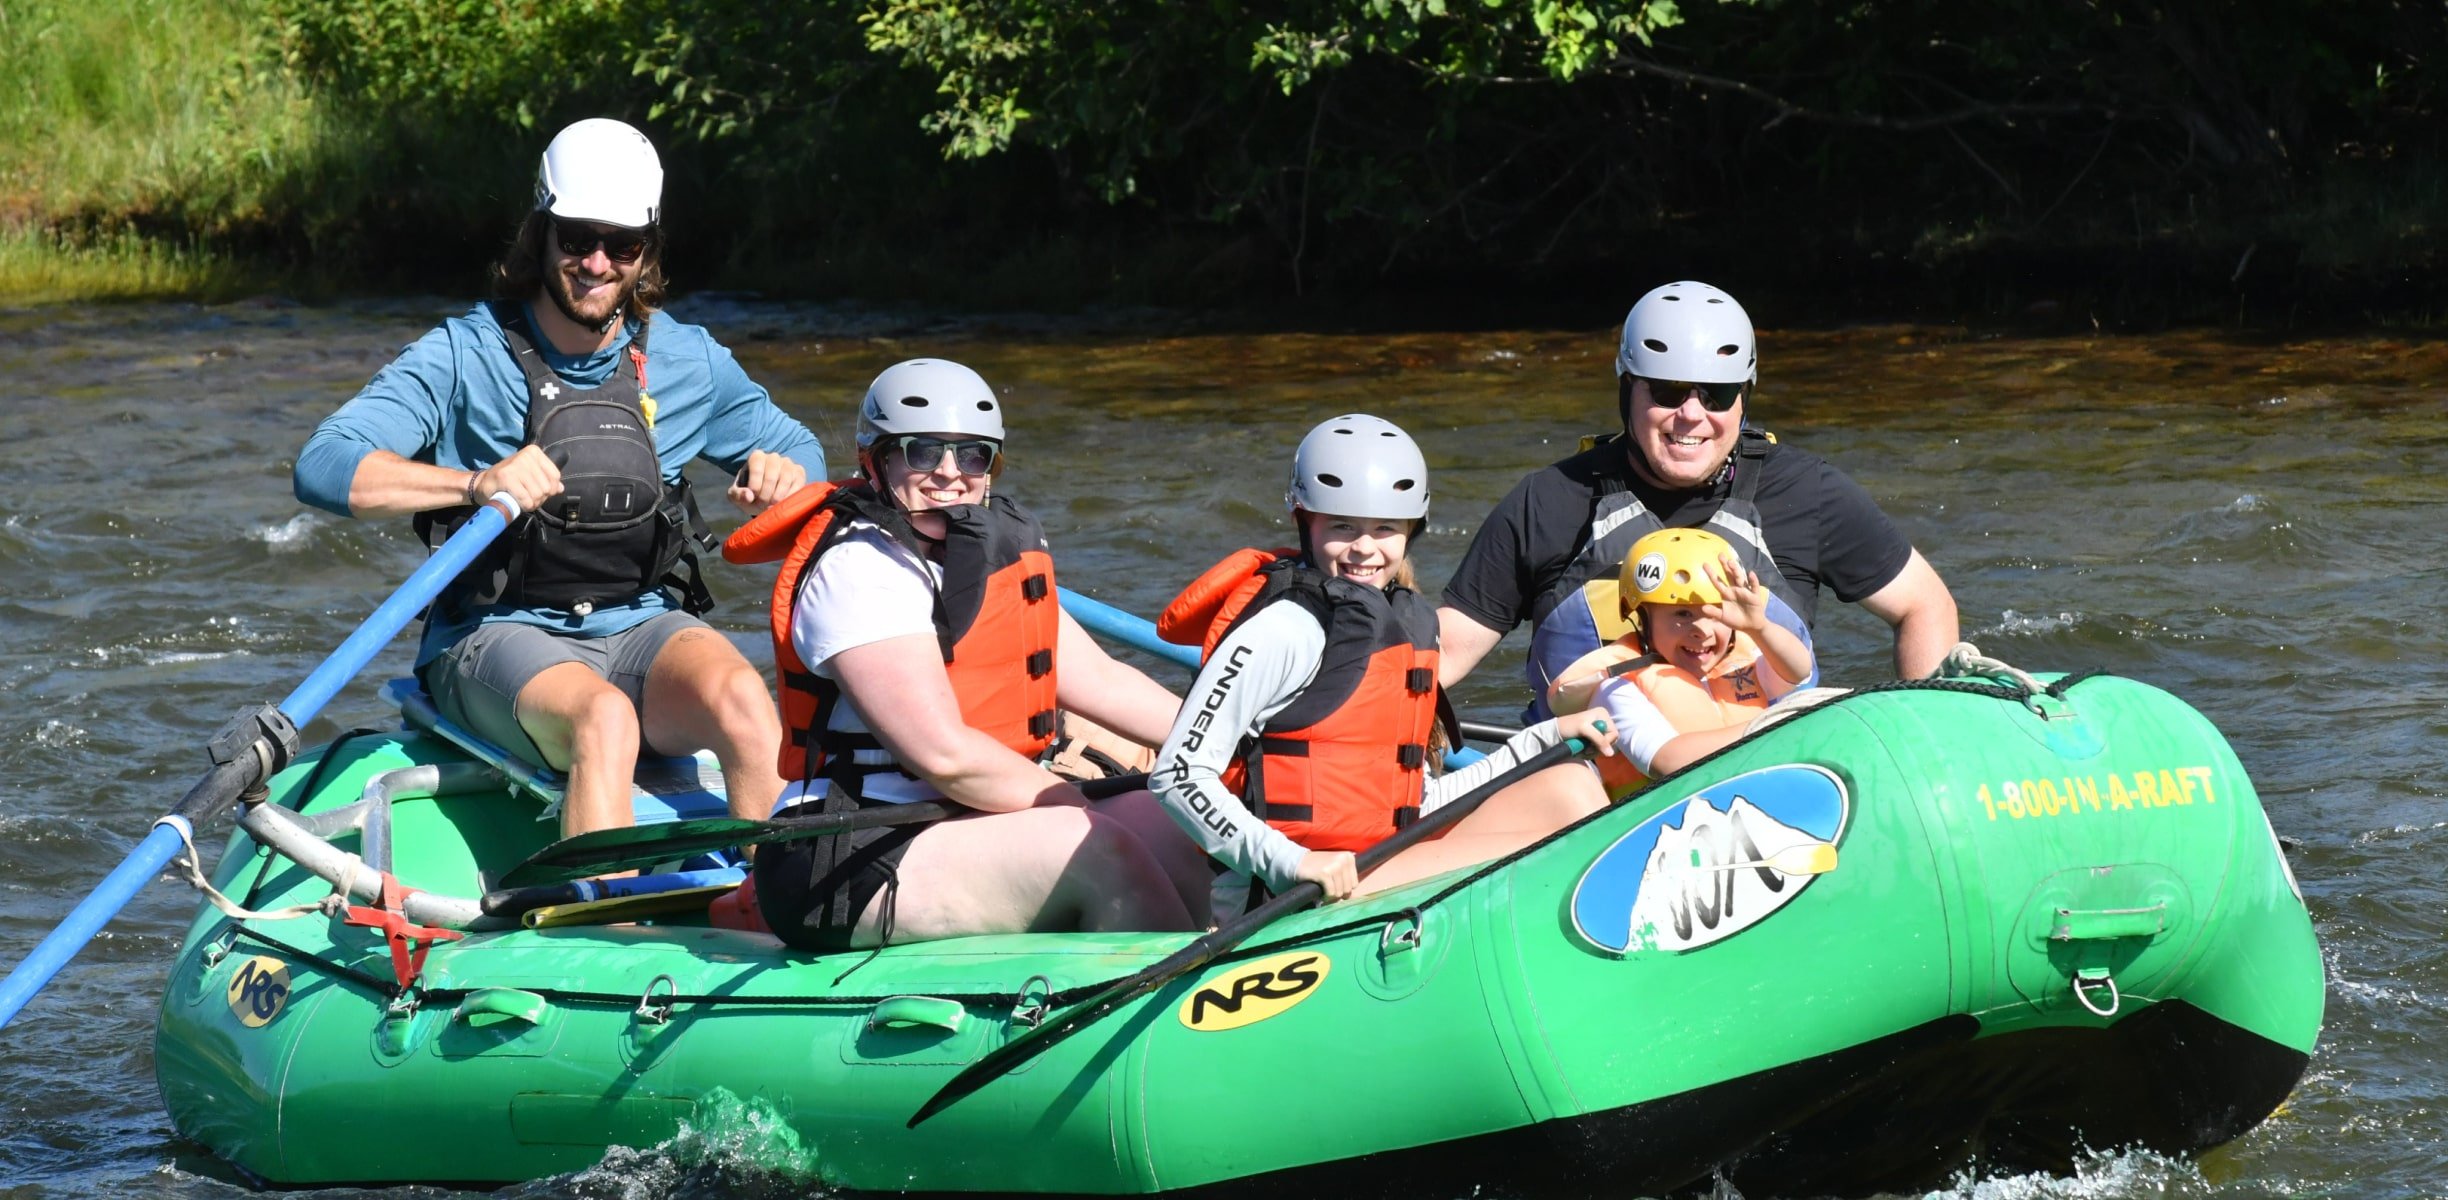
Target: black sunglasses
1715, 397
975, 456
619, 245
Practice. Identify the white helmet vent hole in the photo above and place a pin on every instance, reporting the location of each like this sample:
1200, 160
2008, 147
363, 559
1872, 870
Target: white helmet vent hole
1655, 346
1404, 485
1676, 299
986, 406
1728, 351
1331, 480
914, 401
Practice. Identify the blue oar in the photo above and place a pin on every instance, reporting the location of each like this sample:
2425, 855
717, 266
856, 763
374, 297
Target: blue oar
1139, 633
248, 751
1136, 632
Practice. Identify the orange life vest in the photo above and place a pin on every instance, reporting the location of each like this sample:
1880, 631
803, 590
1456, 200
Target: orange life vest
1729, 696
995, 614
1343, 765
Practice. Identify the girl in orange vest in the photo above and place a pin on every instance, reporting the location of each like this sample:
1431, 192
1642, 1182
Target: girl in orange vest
923, 651
1306, 737
1701, 660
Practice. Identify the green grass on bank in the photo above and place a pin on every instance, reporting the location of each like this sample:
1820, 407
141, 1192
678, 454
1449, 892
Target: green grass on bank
41, 267
161, 149
135, 135
129, 109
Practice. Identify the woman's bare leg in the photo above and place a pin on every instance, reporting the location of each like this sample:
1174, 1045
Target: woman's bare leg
1184, 864
1539, 805
1036, 870
1516, 817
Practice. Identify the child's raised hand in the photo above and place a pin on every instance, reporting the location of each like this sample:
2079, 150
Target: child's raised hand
1746, 602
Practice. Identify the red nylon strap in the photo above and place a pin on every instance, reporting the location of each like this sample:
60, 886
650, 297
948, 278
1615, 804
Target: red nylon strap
408, 942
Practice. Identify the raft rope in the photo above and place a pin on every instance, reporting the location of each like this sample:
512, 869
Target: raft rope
189, 865
192, 865
1964, 658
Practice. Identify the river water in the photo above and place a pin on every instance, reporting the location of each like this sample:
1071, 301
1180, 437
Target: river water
2251, 524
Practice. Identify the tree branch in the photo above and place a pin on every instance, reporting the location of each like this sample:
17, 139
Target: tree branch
1627, 65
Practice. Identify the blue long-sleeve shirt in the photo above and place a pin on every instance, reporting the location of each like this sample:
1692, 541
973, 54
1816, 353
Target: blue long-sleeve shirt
455, 398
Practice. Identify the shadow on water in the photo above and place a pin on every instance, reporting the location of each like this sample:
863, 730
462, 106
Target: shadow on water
2252, 525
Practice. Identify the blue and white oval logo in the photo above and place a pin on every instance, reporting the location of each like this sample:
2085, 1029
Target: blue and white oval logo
1714, 864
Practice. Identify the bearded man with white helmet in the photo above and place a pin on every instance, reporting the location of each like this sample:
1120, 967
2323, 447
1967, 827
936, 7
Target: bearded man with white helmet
1550, 552
574, 641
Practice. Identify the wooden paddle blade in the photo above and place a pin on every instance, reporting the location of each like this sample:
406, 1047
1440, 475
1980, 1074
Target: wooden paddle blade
602, 850
613, 910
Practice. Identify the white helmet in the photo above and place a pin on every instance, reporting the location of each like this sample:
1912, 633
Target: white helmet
928, 395
1688, 332
1359, 466
601, 170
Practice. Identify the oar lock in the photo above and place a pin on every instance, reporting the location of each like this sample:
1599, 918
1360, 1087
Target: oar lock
261, 730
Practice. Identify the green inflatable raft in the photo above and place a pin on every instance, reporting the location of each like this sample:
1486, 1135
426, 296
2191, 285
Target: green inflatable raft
1911, 930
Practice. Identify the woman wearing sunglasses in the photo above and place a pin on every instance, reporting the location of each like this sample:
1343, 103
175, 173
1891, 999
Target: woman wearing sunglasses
1307, 735
1685, 371
923, 654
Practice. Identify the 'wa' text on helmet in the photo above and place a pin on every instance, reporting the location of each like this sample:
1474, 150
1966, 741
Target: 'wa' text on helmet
1688, 332
1666, 567
929, 395
1359, 466
602, 170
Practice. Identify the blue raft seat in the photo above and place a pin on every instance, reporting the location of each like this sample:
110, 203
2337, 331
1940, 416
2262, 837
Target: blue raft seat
666, 789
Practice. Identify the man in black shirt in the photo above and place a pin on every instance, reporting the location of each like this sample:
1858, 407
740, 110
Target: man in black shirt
1550, 551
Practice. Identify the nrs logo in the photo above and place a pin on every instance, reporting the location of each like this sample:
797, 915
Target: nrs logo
1254, 992
258, 989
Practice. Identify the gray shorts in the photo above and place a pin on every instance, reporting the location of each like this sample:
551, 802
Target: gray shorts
476, 682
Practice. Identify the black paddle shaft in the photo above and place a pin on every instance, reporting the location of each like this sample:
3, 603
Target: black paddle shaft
1206, 949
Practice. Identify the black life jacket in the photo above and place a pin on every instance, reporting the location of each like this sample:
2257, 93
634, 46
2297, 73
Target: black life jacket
616, 531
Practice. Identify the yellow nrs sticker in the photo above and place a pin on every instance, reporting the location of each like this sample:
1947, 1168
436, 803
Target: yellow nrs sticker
1252, 992
258, 989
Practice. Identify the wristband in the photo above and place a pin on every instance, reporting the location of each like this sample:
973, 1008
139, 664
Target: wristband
469, 492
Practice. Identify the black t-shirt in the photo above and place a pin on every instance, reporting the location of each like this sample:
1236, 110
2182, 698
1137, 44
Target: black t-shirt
1822, 529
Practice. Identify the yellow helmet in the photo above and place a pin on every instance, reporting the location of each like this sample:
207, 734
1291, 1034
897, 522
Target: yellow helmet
1664, 567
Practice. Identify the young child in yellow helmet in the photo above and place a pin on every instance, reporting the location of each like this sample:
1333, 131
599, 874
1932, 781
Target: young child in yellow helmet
1702, 658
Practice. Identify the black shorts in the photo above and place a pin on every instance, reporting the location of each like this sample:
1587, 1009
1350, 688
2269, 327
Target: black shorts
813, 891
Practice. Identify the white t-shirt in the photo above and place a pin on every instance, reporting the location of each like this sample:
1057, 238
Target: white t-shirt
867, 589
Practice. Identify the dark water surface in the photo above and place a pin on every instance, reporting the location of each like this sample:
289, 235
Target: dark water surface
2254, 526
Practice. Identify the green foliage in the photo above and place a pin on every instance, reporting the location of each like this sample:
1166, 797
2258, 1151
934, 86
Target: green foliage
507, 60
129, 111
1212, 145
